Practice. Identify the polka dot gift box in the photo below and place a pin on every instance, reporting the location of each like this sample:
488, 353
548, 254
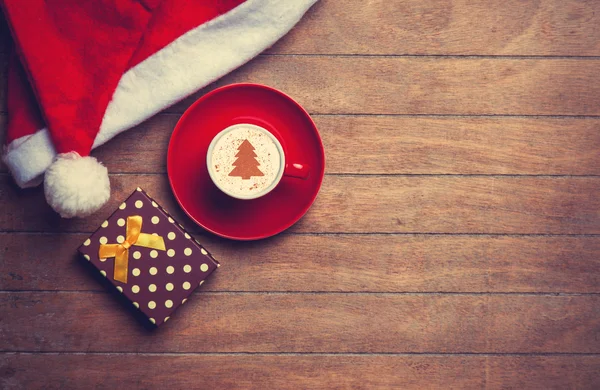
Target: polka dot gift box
148, 257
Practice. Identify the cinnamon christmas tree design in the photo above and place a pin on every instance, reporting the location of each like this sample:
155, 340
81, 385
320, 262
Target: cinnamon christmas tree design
246, 164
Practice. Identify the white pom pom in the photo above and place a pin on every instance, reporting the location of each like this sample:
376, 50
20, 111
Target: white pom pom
76, 186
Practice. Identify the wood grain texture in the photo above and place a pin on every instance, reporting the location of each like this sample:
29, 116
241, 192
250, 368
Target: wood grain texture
401, 145
332, 322
460, 309
448, 27
51, 371
404, 204
367, 263
458, 145
427, 85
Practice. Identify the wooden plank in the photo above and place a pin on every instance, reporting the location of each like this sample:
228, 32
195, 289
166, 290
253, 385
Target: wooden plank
385, 204
465, 86
448, 204
364, 263
413, 27
27, 371
401, 145
458, 145
427, 85
438, 85
285, 322
455, 27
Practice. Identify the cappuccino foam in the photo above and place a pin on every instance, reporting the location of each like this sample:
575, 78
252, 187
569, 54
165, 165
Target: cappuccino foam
245, 161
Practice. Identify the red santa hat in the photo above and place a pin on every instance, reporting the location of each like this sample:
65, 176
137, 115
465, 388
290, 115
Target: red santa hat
87, 70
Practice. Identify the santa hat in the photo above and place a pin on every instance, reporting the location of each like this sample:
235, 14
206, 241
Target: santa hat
87, 70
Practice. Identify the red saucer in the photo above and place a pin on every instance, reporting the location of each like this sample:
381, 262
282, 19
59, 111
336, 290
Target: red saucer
204, 202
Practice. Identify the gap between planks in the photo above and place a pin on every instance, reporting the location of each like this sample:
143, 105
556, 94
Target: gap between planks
337, 234
431, 354
440, 56
312, 293
431, 115
342, 174
3, 113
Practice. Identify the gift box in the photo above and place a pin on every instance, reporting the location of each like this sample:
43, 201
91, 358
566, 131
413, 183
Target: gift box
148, 257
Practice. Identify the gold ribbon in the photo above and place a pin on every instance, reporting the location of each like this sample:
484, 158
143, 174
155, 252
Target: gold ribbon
133, 236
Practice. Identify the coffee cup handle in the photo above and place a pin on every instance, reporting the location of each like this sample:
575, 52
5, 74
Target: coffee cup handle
296, 170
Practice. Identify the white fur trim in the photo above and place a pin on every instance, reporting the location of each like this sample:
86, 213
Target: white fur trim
187, 64
196, 59
76, 186
27, 158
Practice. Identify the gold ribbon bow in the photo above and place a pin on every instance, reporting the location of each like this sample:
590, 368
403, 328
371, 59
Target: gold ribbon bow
133, 236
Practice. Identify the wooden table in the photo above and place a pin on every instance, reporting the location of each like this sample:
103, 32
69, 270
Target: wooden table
455, 242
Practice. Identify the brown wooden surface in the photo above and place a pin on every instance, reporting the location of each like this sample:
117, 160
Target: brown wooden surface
455, 242
376, 263
448, 27
308, 322
427, 85
362, 144
299, 371
348, 204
